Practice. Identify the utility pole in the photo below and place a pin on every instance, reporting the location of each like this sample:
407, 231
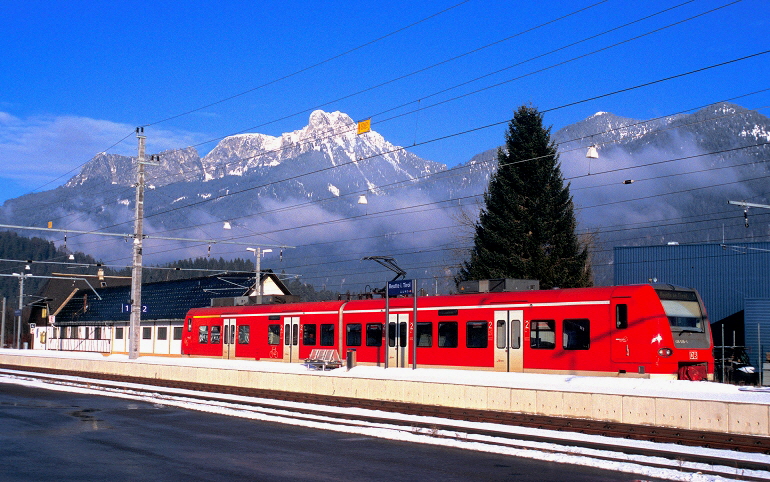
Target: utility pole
258, 251
136, 269
2, 327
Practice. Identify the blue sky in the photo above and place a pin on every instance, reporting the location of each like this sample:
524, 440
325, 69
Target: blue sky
77, 77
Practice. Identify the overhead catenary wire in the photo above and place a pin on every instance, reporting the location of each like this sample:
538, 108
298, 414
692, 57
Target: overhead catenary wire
496, 42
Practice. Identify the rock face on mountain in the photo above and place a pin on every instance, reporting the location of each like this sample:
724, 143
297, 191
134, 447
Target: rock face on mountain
305, 187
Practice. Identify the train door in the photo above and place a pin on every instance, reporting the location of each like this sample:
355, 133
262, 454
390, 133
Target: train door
398, 340
508, 352
228, 338
291, 338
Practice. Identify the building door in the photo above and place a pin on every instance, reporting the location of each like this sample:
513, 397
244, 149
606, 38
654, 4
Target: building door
508, 334
398, 340
291, 339
228, 338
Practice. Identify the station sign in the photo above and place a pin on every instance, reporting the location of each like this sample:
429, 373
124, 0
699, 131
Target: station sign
401, 287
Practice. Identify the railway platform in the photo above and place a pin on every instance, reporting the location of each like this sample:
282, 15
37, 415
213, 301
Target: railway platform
705, 406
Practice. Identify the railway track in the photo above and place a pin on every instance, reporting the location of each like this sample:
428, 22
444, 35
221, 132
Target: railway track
452, 423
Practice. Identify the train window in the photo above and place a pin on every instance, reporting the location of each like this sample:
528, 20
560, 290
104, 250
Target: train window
286, 334
502, 340
476, 334
162, 333
424, 334
576, 334
177, 332
543, 334
621, 316
515, 330
189, 324
308, 334
147, 333
294, 334
374, 334
273, 334
203, 334
402, 336
447, 334
243, 334
353, 335
215, 334
118, 333
327, 334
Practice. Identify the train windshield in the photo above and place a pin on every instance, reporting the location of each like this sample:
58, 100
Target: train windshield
683, 310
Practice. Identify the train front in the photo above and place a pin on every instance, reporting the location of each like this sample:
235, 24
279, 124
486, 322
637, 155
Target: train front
691, 342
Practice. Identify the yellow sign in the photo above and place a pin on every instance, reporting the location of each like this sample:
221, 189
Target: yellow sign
364, 126
50, 224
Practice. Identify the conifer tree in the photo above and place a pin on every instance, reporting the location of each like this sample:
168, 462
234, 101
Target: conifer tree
526, 229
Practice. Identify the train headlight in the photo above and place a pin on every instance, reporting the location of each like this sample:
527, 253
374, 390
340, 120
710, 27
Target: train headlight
665, 352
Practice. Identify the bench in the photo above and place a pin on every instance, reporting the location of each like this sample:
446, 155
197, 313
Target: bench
322, 359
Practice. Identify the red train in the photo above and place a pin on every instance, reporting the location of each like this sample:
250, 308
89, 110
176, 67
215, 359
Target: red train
640, 330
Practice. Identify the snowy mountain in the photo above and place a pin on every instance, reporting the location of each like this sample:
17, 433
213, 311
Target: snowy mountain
303, 189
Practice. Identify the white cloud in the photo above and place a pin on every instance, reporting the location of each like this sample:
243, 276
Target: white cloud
50, 149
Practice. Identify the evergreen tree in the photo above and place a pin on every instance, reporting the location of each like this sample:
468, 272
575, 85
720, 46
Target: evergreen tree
527, 228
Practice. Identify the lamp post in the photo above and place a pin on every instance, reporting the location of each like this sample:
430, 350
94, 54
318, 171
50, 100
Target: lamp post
258, 252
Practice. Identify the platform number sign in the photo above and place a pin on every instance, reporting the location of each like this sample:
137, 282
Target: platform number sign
126, 308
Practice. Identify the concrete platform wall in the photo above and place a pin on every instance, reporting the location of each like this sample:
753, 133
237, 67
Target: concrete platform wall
725, 417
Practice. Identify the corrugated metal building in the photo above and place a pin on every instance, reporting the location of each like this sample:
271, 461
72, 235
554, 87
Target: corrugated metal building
726, 275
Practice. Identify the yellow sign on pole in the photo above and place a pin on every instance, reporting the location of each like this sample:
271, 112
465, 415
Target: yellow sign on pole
364, 126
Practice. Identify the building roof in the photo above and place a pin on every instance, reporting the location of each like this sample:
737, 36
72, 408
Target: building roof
163, 300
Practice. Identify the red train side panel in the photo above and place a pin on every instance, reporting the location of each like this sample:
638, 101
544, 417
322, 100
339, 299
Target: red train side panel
643, 330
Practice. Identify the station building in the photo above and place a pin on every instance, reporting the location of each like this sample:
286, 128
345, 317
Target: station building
97, 319
732, 278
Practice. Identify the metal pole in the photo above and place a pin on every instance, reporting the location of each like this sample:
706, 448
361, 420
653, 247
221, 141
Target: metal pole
21, 307
387, 322
258, 274
414, 331
723, 352
136, 270
2, 327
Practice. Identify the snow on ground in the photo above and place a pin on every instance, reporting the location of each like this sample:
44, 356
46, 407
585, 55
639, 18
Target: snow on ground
676, 389
545, 451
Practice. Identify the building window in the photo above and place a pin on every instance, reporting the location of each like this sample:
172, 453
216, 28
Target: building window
147, 333
576, 334
97, 333
476, 334
374, 334
273, 334
177, 332
424, 334
162, 333
215, 334
243, 334
308, 334
327, 335
447, 334
543, 334
85, 332
203, 334
353, 335
119, 333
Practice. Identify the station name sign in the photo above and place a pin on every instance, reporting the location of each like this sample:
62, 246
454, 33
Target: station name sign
401, 287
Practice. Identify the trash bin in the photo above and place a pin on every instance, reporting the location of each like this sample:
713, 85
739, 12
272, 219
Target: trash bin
25, 345
351, 358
